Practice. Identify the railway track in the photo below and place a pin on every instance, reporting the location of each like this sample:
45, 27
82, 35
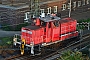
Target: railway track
49, 56
76, 45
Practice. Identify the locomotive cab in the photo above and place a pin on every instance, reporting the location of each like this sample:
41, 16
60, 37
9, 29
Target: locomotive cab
51, 28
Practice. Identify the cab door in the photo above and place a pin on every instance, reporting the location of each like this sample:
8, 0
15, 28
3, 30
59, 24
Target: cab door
55, 31
48, 32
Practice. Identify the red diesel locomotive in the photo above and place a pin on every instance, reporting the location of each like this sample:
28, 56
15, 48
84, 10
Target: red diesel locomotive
46, 31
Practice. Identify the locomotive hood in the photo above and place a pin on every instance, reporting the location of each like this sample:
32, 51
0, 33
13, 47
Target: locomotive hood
32, 27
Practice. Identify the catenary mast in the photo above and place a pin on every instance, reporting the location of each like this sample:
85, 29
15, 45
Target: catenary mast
34, 8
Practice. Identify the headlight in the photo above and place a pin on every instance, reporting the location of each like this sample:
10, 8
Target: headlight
15, 39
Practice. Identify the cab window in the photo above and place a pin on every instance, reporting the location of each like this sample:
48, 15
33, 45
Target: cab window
56, 24
43, 23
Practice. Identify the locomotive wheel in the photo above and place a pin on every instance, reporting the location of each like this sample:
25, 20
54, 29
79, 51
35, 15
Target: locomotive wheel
16, 47
27, 50
43, 51
56, 46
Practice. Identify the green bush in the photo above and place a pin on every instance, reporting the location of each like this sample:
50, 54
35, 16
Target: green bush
16, 28
6, 41
82, 26
70, 55
84, 20
7, 28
